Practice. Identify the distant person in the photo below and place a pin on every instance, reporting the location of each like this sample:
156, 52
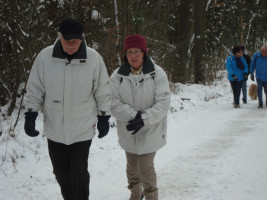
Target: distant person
140, 103
237, 69
70, 84
244, 82
259, 63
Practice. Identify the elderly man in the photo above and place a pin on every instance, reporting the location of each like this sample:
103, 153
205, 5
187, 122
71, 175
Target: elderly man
70, 84
259, 62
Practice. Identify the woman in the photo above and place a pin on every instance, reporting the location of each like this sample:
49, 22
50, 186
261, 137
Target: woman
140, 102
237, 71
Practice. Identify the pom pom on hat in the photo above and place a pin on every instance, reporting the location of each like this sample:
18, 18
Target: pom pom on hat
71, 29
135, 41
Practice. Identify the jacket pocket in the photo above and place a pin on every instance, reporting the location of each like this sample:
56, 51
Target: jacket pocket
53, 122
83, 121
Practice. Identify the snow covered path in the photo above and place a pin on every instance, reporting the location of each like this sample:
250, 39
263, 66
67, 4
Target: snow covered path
214, 152
217, 153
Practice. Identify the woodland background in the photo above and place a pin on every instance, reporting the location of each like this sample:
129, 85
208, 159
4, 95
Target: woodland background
190, 39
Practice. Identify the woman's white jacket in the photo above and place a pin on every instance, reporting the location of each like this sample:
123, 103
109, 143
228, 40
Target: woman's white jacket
149, 93
70, 93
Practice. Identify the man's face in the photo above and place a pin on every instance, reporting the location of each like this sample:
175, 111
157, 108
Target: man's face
70, 46
264, 52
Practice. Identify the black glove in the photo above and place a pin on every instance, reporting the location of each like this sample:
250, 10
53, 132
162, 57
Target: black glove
103, 125
252, 77
135, 124
29, 125
234, 77
246, 76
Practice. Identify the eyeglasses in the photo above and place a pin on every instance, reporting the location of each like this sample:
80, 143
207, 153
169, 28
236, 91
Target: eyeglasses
136, 53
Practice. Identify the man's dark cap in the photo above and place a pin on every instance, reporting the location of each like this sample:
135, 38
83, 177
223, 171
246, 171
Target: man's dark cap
71, 29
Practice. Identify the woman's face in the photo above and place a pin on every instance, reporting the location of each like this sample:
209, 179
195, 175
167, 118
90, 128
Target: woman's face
238, 54
135, 57
70, 46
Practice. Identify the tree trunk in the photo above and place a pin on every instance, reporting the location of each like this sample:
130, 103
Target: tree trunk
198, 49
182, 41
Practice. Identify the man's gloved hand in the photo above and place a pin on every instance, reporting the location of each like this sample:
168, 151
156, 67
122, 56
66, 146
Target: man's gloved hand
29, 125
252, 77
135, 124
246, 76
234, 77
103, 125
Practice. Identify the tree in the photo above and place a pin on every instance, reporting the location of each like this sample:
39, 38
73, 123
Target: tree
183, 27
198, 48
189, 39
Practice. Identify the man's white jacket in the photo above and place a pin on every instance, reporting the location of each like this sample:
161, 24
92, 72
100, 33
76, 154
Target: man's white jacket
70, 93
149, 93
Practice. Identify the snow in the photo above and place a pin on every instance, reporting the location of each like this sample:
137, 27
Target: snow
95, 15
213, 152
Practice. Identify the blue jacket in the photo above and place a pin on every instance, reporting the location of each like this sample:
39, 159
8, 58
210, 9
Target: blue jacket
233, 69
260, 64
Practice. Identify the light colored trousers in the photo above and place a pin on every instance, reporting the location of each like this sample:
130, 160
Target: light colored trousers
140, 169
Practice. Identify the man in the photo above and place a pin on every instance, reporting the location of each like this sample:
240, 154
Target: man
70, 84
259, 62
244, 82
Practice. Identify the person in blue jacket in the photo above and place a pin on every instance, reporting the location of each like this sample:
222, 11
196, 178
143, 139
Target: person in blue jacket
259, 62
237, 69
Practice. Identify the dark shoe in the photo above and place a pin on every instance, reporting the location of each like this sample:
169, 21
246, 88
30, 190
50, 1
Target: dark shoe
236, 106
245, 102
260, 106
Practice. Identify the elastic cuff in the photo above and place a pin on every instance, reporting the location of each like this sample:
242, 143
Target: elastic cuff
146, 122
103, 113
30, 110
145, 118
134, 114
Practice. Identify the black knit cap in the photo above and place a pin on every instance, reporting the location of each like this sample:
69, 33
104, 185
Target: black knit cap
71, 29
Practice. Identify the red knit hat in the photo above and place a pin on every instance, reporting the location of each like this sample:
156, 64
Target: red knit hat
135, 41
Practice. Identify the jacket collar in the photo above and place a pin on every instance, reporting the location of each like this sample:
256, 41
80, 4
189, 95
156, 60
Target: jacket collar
59, 53
233, 56
148, 67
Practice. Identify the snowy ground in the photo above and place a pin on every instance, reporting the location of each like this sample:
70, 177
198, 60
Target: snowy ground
213, 152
